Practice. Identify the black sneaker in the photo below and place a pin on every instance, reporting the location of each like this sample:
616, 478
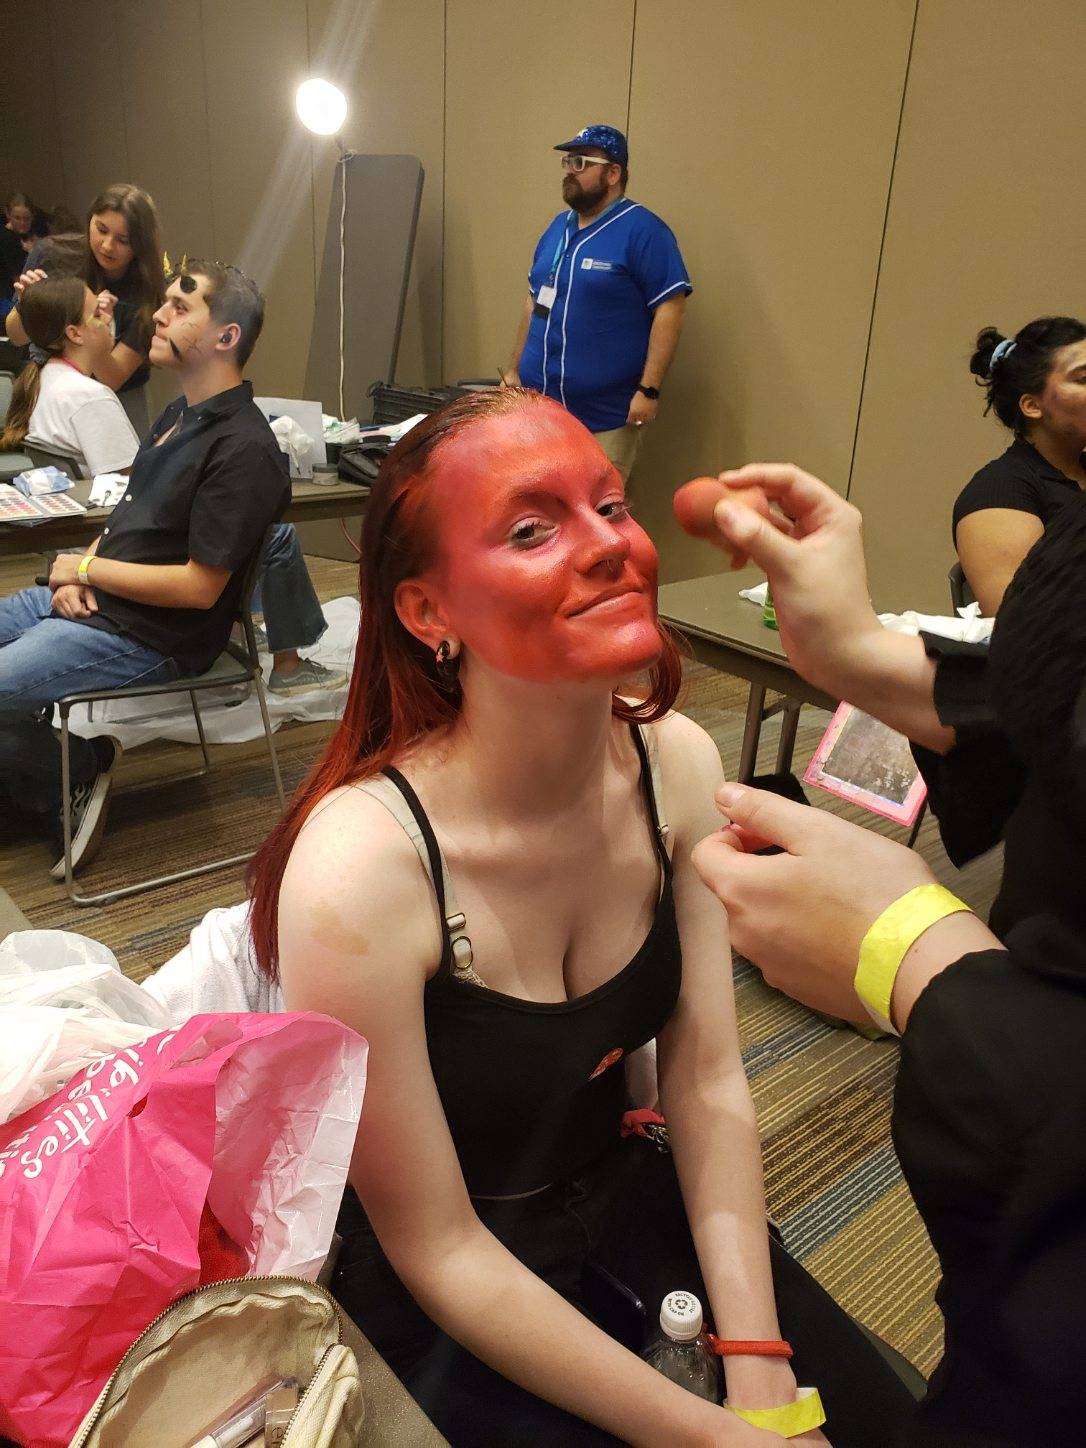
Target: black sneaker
89, 805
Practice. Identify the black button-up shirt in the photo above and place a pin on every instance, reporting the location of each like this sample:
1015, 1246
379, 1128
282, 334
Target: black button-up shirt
209, 493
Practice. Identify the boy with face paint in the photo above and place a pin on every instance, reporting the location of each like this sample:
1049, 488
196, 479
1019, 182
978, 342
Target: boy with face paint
156, 593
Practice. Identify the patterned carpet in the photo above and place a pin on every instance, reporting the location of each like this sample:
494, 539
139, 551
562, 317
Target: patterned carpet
823, 1095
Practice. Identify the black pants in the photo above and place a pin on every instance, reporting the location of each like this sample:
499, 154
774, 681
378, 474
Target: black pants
30, 775
627, 1216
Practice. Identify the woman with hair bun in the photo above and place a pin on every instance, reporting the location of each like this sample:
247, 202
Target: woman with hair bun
1036, 385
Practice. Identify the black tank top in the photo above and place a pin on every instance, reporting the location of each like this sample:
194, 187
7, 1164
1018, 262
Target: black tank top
534, 1091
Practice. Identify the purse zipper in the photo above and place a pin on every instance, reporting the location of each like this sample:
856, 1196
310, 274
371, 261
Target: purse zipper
100, 1403
310, 1387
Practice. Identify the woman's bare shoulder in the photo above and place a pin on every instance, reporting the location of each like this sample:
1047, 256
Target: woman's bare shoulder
690, 772
353, 862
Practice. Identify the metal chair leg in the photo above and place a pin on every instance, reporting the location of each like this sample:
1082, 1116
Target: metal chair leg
106, 897
66, 800
786, 746
258, 680
752, 730
200, 728
915, 832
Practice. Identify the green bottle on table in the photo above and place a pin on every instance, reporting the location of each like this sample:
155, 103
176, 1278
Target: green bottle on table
769, 613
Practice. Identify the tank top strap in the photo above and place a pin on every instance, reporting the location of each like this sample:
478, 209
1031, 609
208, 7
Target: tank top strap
404, 805
648, 749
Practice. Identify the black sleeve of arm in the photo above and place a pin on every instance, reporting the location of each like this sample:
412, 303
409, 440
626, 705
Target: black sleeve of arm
995, 486
952, 1097
973, 789
987, 1126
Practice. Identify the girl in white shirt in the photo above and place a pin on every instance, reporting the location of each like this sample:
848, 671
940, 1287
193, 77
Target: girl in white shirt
59, 406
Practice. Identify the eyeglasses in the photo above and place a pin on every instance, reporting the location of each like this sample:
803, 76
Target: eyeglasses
578, 163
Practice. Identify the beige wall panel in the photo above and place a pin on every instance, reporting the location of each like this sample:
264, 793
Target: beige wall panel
165, 107
518, 80
81, 55
388, 58
765, 140
261, 201
986, 225
29, 140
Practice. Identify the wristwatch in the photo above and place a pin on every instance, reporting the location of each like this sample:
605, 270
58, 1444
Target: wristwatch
650, 392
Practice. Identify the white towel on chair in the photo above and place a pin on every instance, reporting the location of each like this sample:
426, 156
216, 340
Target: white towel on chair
216, 970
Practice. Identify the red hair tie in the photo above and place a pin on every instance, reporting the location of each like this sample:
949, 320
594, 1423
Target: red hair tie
752, 1347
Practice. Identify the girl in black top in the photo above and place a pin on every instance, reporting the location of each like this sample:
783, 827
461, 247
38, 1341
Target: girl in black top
1036, 383
122, 263
991, 1091
23, 225
507, 915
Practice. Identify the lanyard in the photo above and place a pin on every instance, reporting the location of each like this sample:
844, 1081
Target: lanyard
560, 252
567, 233
69, 363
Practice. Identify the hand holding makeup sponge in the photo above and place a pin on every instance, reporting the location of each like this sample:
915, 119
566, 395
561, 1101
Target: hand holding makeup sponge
694, 504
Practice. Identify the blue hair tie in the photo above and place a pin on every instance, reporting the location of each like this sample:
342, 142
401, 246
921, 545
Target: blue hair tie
1002, 349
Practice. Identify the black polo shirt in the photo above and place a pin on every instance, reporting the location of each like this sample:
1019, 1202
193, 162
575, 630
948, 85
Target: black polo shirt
1020, 479
209, 494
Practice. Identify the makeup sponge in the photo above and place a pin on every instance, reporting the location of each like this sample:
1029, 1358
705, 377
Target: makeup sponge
694, 503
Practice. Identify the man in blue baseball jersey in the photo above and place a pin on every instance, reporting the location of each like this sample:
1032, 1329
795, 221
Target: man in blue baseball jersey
607, 292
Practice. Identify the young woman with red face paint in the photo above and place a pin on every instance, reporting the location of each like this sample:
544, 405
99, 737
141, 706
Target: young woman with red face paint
507, 595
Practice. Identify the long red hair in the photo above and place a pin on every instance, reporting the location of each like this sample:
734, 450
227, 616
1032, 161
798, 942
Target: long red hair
395, 697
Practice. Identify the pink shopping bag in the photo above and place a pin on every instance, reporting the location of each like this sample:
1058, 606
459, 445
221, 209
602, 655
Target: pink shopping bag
231, 1134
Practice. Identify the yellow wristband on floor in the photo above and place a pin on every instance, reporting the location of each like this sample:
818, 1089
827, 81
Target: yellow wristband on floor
884, 946
789, 1419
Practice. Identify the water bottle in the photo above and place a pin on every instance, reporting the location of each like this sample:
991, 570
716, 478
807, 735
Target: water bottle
679, 1350
769, 611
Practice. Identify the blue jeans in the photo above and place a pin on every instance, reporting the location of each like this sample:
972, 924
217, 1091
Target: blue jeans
43, 658
285, 595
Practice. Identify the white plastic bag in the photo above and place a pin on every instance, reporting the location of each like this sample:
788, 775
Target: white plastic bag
63, 1005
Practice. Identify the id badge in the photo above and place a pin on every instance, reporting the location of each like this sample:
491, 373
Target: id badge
544, 301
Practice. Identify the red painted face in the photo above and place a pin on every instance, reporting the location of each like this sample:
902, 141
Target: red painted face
544, 575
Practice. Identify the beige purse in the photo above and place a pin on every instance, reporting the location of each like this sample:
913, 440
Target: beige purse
194, 1361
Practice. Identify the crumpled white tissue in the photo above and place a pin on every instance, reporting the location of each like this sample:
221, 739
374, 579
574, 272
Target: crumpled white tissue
967, 626
107, 489
297, 444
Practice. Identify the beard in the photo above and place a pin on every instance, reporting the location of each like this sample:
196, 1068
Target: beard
581, 198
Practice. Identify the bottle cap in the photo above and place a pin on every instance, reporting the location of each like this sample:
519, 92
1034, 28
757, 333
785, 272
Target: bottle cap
680, 1316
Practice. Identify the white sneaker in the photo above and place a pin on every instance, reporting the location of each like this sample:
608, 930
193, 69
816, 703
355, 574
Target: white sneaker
306, 678
89, 808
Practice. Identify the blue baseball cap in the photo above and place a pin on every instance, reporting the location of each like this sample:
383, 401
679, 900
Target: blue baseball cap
600, 138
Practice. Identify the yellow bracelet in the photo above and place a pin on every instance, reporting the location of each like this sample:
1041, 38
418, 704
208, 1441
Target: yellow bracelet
789, 1419
884, 946
84, 565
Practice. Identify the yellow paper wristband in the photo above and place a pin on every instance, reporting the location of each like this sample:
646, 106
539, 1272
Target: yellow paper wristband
884, 946
790, 1418
84, 564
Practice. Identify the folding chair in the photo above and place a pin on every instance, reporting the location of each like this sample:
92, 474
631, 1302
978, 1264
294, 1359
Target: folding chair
960, 592
11, 463
41, 458
239, 664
